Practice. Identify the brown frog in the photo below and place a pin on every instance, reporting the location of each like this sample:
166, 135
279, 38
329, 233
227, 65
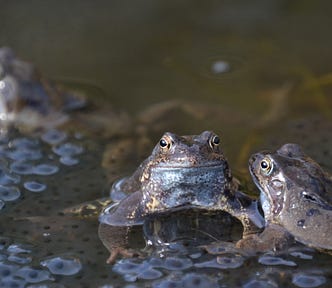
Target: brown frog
182, 172
27, 98
296, 197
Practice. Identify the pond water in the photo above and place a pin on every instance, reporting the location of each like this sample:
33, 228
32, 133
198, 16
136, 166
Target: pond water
259, 74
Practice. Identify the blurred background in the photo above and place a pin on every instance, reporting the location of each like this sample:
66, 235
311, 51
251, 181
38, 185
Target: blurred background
256, 63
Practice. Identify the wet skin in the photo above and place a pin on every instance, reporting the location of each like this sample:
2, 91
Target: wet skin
26, 97
182, 172
296, 196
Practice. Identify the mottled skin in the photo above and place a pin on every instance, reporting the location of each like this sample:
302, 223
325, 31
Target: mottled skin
182, 172
296, 196
29, 99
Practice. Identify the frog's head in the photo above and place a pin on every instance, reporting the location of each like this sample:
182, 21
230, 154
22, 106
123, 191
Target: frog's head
185, 171
284, 173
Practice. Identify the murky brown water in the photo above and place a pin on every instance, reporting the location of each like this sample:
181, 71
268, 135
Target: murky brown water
258, 73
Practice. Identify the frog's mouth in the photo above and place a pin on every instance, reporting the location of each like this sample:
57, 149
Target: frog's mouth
188, 165
270, 200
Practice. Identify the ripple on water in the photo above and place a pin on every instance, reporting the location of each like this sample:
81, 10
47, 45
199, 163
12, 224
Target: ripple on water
9, 193
308, 280
274, 260
54, 137
34, 186
63, 265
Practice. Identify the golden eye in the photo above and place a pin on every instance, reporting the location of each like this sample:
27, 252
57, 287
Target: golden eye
165, 143
266, 166
214, 141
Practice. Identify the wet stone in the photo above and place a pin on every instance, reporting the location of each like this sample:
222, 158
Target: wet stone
45, 169
308, 280
54, 137
33, 275
274, 260
34, 186
9, 193
63, 265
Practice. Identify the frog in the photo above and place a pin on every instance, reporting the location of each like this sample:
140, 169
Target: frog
182, 172
30, 100
296, 198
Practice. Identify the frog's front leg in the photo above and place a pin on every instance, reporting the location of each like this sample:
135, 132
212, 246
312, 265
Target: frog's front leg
115, 239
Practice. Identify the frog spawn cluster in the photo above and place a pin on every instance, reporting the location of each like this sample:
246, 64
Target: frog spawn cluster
25, 167
26, 163
18, 268
191, 271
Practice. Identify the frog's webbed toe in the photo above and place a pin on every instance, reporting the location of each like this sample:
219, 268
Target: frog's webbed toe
127, 212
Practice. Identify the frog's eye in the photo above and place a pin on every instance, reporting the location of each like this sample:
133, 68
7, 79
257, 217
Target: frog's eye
266, 166
214, 141
165, 143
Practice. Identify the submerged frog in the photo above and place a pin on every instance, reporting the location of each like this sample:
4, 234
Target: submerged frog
182, 172
296, 197
27, 98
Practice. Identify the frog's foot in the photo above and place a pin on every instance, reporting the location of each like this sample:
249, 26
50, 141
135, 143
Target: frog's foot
124, 252
273, 238
115, 239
